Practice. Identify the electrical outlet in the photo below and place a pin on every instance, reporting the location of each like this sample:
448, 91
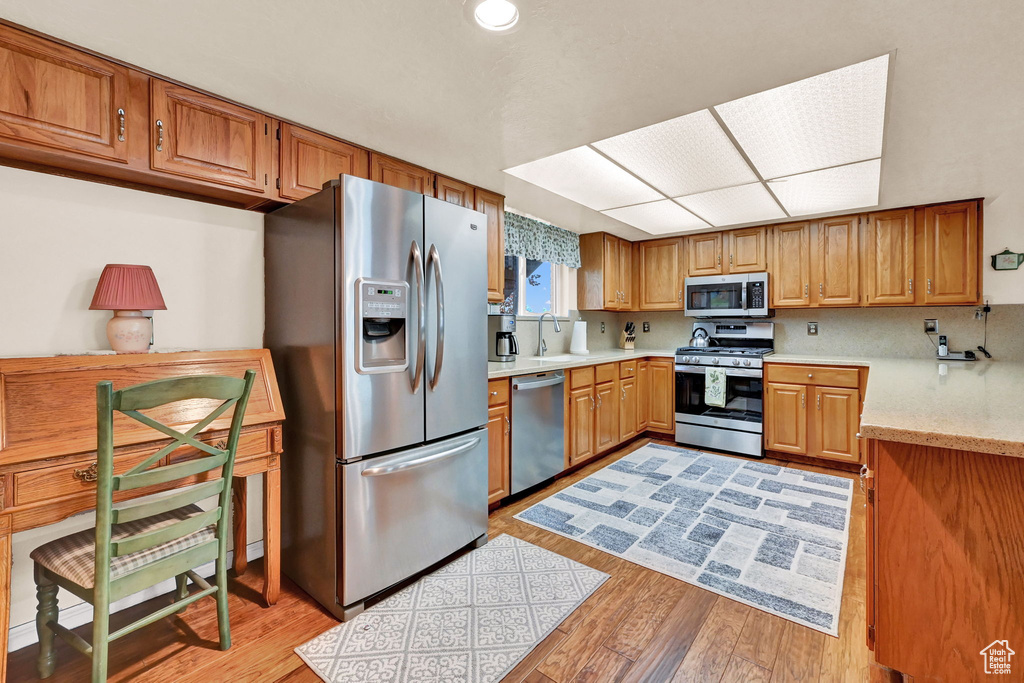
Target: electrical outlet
931, 326
812, 329
602, 328
647, 326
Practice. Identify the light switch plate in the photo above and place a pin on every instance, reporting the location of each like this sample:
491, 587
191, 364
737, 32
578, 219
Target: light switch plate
602, 328
931, 326
812, 329
647, 326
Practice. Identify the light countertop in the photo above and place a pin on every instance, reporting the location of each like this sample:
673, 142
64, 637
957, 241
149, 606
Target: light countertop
525, 365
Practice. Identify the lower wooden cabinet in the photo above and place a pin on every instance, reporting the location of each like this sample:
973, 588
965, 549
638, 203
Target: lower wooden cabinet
499, 441
661, 416
836, 422
628, 422
581, 425
786, 418
643, 394
606, 414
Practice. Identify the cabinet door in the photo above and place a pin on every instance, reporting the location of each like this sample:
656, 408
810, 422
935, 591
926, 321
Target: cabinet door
643, 395
785, 417
625, 275
606, 415
58, 97
748, 250
454, 191
627, 409
951, 254
199, 136
610, 273
308, 160
791, 275
582, 413
836, 420
493, 205
499, 450
661, 274
662, 408
888, 257
400, 174
705, 254
837, 267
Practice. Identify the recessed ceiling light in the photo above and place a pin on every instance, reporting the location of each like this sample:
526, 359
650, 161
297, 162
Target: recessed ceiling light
732, 205
833, 189
496, 15
587, 178
657, 218
681, 156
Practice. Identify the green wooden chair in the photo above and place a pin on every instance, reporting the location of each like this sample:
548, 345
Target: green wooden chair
138, 545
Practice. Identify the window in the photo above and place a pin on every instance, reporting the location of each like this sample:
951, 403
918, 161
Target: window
536, 287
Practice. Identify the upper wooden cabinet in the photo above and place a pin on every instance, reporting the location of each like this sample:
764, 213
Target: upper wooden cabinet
951, 253
747, 249
888, 258
837, 262
661, 267
493, 205
60, 98
605, 277
401, 174
790, 280
454, 191
705, 254
309, 159
202, 137
625, 275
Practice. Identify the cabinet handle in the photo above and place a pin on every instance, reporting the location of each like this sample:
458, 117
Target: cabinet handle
719, 259
494, 393
591, 404
623, 393
508, 425
910, 284
821, 289
88, 474
819, 401
730, 259
680, 296
221, 445
810, 374
806, 290
159, 135
120, 125
864, 472
599, 400
803, 400
858, 435
929, 285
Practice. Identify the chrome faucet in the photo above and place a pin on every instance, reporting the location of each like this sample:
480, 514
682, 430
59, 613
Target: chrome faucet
542, 347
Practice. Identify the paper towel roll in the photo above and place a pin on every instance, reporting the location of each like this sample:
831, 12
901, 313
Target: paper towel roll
578, 345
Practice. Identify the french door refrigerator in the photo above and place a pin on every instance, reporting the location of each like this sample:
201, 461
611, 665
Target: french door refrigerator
376, 318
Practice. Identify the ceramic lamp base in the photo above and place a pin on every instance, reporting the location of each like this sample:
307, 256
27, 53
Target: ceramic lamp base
129, 332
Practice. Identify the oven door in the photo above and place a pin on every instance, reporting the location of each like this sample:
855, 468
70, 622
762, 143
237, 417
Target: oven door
744, 399
716, 296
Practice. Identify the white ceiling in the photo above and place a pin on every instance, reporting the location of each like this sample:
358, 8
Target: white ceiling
415, 79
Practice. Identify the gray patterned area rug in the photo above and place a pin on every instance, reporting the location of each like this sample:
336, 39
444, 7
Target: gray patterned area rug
472, 620
771, 537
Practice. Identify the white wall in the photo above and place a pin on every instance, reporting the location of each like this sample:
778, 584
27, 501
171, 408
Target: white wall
56, 234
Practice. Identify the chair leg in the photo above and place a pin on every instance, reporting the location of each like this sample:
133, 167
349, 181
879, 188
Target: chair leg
222, 603
181, 580
100, 634
46, 593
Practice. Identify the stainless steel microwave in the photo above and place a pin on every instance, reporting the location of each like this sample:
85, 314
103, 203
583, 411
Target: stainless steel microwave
728, 296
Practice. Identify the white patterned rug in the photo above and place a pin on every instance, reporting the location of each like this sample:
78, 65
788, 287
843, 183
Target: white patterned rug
472, 620
771, 537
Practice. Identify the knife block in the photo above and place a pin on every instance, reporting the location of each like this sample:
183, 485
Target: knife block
626, 342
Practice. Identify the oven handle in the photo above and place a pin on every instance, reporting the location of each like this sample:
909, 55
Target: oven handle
729, 372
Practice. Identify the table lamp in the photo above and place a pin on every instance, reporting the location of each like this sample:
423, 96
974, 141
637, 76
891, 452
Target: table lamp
128, 290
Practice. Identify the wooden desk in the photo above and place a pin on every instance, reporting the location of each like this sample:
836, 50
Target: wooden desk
48, 443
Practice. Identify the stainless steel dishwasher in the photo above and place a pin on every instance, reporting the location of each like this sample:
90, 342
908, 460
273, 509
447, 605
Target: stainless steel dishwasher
538, 428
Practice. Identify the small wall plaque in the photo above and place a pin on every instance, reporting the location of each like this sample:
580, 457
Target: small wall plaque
1007, 260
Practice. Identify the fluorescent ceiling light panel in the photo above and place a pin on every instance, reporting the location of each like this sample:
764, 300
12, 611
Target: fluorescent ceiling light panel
833, 189
585, 177
827, 120
657, 218
732, 205
682, 156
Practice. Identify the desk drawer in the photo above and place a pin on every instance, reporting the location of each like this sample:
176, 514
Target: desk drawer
816, 375
249, 444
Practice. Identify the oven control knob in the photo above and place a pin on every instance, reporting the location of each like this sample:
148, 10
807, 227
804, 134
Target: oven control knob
714, 361
746, 362
735, 361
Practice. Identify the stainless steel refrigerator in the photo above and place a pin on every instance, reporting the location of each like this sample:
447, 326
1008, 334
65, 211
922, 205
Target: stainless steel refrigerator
376, 317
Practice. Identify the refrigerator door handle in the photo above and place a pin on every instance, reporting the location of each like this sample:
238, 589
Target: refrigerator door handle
434, 260
420, 462
421, 311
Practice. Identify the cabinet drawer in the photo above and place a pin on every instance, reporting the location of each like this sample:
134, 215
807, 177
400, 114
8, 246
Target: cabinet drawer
607, 372
249, 444
497, 392
814, 375
60, 481
581, 377
627, 369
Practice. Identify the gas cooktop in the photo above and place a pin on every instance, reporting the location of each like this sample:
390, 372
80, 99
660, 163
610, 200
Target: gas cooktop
723, 350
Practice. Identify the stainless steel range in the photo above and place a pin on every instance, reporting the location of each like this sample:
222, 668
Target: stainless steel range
738, 347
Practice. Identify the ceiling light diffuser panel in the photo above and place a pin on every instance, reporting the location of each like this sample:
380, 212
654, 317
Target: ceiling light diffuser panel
585, 177
833, 189
827, 120
658, 218
682, 156
732, 205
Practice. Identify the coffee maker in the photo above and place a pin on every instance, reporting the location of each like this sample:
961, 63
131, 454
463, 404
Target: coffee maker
501, 330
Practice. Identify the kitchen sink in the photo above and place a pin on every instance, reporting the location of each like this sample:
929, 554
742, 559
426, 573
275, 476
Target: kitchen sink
563, 357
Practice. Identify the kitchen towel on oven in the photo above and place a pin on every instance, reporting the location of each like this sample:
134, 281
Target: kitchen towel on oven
714, 387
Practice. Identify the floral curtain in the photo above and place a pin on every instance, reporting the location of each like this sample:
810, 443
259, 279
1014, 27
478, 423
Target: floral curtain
540, 241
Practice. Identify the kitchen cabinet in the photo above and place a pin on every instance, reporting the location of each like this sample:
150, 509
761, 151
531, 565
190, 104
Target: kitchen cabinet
888, 258
308, 159
786, 418
662, 406
499, 440
704, 254
60, 98
493, 206
790, 280
389, 171
606, 414
747, 249
199, 136
582, 424
605, 278
661, 272
951, 253
628, 420
643, 395
625, 275
837, 262
454, 191
836, 422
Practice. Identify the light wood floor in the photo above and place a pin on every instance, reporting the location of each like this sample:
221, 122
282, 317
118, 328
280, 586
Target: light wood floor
639, 626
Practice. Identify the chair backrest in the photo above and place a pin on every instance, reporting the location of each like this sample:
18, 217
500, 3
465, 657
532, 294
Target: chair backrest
232, 392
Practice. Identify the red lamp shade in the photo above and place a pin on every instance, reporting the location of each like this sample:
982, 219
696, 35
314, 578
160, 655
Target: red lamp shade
127, 288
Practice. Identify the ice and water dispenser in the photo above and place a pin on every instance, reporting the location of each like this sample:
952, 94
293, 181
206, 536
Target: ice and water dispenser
383, 317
